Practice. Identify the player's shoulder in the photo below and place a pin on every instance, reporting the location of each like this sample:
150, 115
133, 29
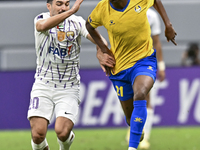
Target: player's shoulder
42, 15
103, 2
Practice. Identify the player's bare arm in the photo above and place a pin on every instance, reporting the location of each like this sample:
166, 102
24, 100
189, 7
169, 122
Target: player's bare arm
169, 30
159, 55
92, 40
59, 11
97, 38
105, 56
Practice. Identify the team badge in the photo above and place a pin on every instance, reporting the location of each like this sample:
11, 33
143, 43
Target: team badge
138, 120
70, 35
112, 22
61, 35
138, 9
150, 68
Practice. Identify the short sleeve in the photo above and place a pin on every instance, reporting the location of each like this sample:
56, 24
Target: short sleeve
95, 17
83, 30
40, 17
150, 3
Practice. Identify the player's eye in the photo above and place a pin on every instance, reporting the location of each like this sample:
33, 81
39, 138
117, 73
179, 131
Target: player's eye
67, 4
58, 3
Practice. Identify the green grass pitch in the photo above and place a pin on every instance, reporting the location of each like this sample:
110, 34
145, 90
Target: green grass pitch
178, 138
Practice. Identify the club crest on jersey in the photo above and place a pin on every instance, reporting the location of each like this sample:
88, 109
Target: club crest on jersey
61, 35
138, 9
70, 35
112, 22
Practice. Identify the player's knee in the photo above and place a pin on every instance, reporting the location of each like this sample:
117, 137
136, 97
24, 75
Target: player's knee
38, 137
140, 95
63, 133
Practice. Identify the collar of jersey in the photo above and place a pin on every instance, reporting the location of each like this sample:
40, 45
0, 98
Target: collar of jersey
120, 9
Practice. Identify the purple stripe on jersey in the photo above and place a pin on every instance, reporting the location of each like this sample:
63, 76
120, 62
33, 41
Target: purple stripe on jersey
61, 76
69, 24
52, 31
43, 46
67, 48
75, 27
80, 24
65, 85
59, 73
52, 73
51, 45
47, 68
72, 84
40, 17
71, 71
64, 24
55, 86
74, 24
67, 43
60, 51
40, 70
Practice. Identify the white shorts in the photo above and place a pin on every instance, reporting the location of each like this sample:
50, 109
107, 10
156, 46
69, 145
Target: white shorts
47, 100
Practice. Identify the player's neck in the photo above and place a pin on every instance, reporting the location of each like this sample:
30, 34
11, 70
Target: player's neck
119, 4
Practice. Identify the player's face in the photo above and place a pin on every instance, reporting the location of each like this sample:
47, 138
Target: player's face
58, 6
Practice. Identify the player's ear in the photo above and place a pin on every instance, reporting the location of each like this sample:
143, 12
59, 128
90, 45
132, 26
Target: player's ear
49, 6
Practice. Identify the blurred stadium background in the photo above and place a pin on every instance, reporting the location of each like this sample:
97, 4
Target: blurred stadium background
176, 101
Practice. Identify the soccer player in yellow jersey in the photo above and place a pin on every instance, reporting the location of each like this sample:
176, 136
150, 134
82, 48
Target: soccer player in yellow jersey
134, 71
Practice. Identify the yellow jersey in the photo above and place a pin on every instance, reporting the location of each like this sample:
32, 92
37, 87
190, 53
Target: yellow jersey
128, 30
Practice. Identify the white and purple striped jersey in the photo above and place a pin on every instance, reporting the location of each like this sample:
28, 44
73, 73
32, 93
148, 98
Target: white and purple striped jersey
58, 51
154, 22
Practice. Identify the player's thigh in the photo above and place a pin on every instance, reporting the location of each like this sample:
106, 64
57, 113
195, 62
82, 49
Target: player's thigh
39, 126
67, 106
141, 87
63, 126
143, 76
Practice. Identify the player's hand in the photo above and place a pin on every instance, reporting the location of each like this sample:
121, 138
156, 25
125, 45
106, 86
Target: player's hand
106, 60
161, 75
76, 6
170, 34
106, 69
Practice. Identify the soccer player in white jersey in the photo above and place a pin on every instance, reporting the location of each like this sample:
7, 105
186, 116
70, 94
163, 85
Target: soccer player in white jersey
154, 22
57, 81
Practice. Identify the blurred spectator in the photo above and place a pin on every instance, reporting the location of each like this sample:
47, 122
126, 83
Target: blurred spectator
191, 56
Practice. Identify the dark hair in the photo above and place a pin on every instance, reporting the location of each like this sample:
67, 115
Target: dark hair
49, 1
192, 53
192, 50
